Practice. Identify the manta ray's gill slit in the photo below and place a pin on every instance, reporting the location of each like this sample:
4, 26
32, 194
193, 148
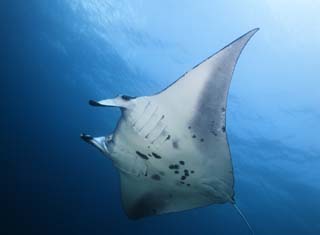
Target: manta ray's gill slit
136, 120
157, 125
143, 156
166, 139
149, 119
163, 132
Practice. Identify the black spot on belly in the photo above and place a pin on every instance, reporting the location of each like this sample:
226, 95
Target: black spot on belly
155, 177
214, 133
189, 127
188, 185
181, 182
194, 136
183, 177
143, 156
223, 128
176, 172
175, 166
201, 139
168, 137
156, 155
181, 162
192, 172
223, 109
175, 144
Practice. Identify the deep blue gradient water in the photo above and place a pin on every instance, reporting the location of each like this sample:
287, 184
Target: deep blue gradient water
56, 55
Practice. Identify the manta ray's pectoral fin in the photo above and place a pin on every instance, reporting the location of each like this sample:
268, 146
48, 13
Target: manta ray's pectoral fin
98, 142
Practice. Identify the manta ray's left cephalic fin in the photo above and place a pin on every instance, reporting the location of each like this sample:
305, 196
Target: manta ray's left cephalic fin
121, 101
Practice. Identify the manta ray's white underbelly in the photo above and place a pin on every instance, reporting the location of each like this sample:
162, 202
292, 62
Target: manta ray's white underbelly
171, 148
150, 143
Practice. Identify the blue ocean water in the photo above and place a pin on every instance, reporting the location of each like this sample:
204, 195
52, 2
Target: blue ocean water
56, 55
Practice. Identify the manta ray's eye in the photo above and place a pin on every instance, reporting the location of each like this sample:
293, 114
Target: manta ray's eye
126, 97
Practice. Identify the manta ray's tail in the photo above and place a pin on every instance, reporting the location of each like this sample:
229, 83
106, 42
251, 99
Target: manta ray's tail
243, 217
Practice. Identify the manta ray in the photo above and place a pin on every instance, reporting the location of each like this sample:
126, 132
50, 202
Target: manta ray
171, 148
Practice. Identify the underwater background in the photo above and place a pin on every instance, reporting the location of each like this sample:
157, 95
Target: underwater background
56, 55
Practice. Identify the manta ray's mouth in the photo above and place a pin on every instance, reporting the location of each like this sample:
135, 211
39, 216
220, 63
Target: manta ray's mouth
98, 142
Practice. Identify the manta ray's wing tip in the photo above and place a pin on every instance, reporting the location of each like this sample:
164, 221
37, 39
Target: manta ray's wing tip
252, 32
